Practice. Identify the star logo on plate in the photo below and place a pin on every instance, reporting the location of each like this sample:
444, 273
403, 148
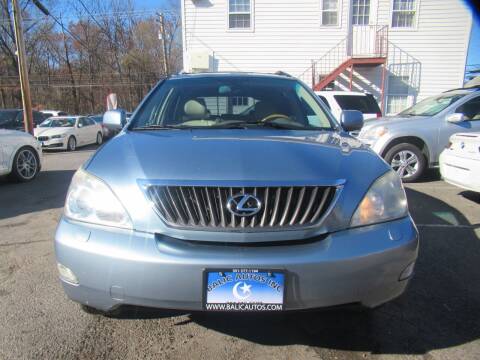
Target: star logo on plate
242, 292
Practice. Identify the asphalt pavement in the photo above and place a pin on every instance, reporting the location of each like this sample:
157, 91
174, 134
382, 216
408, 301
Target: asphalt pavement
437, 318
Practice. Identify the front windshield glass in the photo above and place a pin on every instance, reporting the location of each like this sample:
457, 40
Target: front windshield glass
432, 106
63, 122
229, 102
7, 116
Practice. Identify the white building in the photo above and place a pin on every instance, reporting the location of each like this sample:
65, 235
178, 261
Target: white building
399, 50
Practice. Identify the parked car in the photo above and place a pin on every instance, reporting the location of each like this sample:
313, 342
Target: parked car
338, 101
413, 140
460, 161
99, 120
68, 132
50, 113
12, 119
20, 155
196, 205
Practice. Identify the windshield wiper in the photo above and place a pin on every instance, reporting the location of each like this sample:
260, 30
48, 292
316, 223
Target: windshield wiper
155, 127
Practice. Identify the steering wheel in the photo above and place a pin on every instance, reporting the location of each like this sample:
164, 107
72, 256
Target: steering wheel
274, 116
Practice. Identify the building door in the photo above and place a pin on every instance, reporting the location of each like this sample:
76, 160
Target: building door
362, 30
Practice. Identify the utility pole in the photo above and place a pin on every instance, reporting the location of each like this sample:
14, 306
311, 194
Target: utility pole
22, 69
162, 37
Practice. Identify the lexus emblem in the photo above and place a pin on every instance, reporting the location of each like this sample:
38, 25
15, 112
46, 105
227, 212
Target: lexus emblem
244, 205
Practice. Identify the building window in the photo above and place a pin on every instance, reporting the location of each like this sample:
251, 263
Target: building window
397, 97
329, 12
239, 14
404, 13
361, 12
239, 101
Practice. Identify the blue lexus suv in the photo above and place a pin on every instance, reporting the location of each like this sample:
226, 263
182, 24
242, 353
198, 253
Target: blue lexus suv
234, 192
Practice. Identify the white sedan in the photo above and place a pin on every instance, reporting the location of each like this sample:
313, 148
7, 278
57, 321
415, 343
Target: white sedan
460, 161
20, 155
68, 132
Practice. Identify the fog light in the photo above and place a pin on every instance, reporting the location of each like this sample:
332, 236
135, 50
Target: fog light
407, 272
67, 275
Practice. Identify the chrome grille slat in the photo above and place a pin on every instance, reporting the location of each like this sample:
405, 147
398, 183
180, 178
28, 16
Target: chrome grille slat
298, 206
205, 207
287, 207
317, 213
313, 195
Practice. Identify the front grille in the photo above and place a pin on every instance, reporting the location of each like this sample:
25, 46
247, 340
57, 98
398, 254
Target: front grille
206, 207
42, 138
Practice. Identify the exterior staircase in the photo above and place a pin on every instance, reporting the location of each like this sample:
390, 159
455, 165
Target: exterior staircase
364, 46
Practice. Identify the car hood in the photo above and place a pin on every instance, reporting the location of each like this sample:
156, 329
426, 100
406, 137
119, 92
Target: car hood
392, 120
236, 157
51, 131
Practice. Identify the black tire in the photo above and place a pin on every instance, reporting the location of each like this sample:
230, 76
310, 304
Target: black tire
26, 165
72, 143
407, 160
99, 138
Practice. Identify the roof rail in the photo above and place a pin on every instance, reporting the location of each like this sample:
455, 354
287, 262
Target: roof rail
473, 87
282, 73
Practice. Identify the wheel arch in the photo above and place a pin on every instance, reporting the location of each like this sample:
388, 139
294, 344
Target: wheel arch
414, 140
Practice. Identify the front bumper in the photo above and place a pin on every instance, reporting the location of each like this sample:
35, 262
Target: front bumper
116, 267
54, 144
460, 171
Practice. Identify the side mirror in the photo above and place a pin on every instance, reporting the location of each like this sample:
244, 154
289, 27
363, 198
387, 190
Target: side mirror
80, 125
351, 120
455, 117
115, 119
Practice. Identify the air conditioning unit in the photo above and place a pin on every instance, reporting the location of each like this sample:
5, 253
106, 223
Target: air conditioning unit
200, 61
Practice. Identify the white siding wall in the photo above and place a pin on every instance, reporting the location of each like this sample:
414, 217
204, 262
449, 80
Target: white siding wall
287, 35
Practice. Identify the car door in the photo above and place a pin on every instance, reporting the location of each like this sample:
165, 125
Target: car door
92, 130
471, 111
82, 131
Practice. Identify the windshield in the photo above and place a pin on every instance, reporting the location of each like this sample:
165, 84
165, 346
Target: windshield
366, 104
432, 106
7, 116
64, 122
228, 102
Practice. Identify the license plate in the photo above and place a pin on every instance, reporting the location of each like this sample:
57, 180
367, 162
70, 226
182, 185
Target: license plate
244, 290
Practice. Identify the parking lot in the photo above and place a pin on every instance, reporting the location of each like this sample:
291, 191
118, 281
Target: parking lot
437, 318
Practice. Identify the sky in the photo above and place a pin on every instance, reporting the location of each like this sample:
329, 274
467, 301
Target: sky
474, 48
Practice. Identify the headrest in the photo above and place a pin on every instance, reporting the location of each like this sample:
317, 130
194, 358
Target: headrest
194, 108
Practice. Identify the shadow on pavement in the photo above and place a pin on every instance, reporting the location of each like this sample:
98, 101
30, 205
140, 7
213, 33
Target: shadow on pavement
46, 191
440, 309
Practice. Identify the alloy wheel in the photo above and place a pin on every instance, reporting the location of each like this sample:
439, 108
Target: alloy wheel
27, 164
405, 163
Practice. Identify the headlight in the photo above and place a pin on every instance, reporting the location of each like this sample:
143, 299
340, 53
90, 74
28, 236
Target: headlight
89, 199
374, 133
58, 136
385, 200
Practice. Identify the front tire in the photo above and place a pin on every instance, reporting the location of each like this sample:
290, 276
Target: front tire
26, 165
99, 138
407, 161
72, 143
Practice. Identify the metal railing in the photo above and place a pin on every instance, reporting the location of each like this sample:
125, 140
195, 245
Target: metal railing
369, 41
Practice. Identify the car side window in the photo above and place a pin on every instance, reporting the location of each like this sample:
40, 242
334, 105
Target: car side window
471, 109
325, 101
38, 117
91, 121
81, 123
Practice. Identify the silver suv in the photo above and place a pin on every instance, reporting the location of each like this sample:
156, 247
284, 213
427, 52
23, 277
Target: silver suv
413, 140
235, 192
